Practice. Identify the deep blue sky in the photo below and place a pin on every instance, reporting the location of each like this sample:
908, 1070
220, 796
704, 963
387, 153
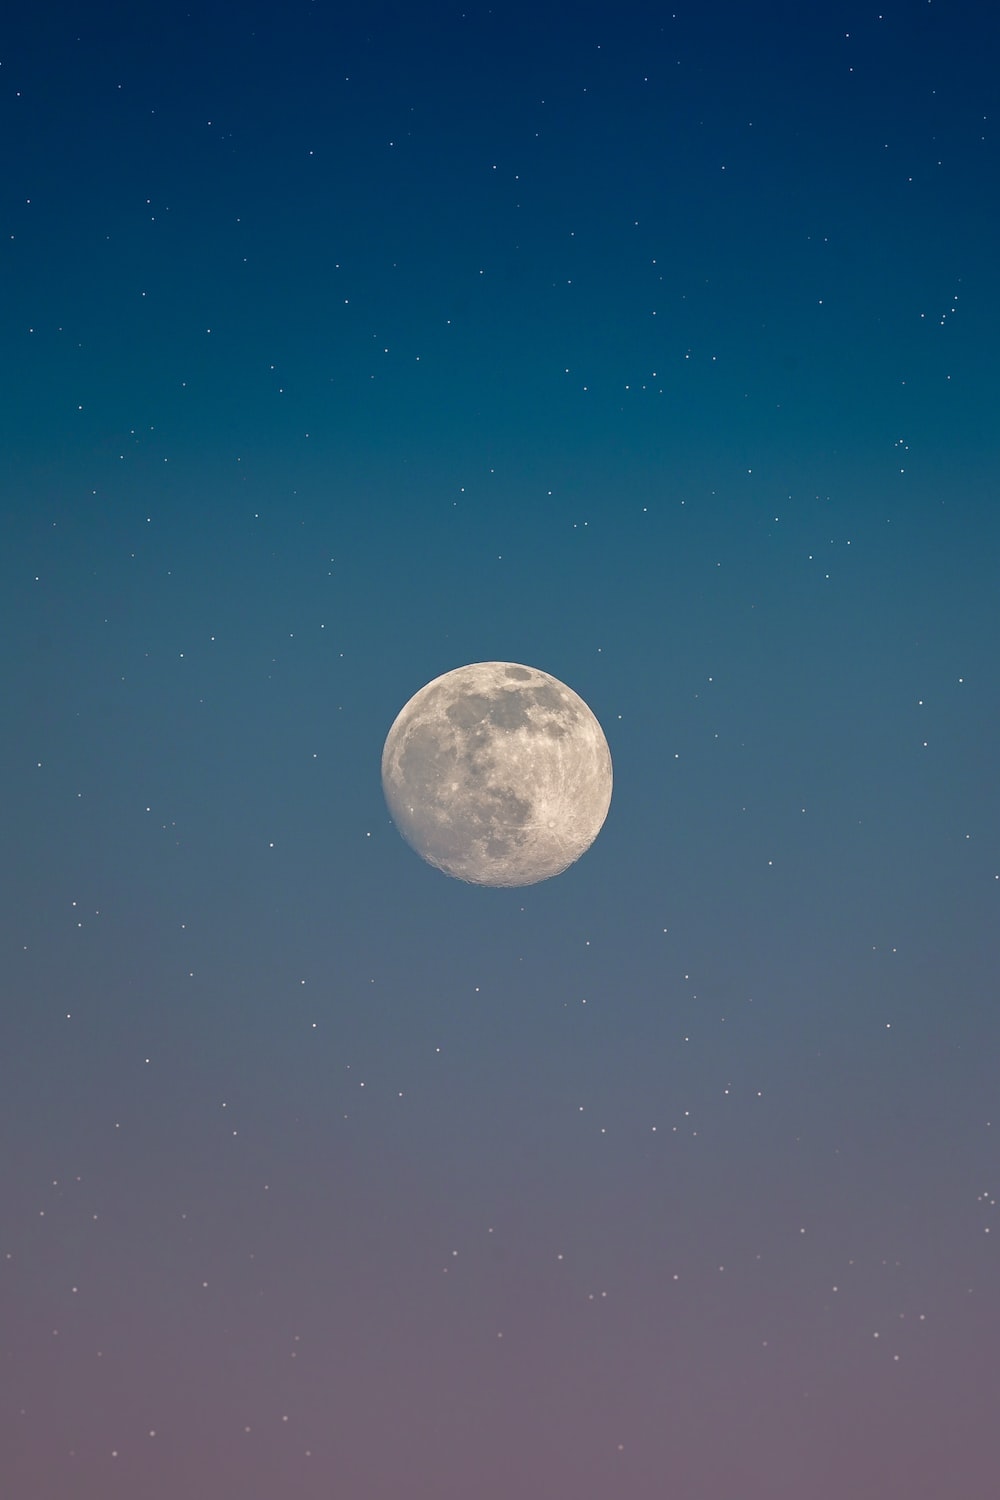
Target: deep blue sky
652, 346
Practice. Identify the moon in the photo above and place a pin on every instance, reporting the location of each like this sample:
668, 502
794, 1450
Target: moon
497, 774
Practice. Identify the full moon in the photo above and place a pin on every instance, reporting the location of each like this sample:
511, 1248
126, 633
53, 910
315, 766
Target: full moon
497, 774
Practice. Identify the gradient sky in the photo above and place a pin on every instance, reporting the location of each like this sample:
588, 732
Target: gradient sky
653, 346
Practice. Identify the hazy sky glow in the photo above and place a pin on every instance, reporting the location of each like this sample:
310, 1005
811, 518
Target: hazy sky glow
652, 346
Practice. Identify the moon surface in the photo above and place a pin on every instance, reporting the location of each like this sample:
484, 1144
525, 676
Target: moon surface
497, 774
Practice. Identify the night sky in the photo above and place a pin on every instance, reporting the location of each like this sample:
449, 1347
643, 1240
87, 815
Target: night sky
652, 346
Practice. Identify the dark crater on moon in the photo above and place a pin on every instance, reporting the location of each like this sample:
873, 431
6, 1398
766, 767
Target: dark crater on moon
509, 709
